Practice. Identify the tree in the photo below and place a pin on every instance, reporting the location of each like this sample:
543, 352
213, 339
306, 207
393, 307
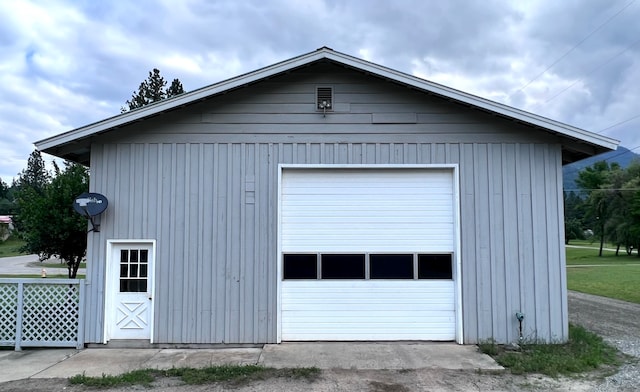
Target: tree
49, 225
4, 189
631, 194
572, 230
573, 216
175, 88
30, 184
593, 181
35, 176
6, 205
152, 90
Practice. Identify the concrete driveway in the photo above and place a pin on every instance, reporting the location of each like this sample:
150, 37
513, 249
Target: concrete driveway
62, 363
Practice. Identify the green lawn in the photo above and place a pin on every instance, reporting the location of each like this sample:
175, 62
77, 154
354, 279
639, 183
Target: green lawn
616, 281
619, 279
595, 242
10, 247
580, 256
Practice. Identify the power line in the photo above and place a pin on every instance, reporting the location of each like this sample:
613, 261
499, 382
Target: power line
613, 126
573, 48
611, 157
592, 71
619, 123
601, 189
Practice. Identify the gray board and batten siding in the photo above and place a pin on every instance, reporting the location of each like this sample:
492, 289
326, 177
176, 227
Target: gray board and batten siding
202, 182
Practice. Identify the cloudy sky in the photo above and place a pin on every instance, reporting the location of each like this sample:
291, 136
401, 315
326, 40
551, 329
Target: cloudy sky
67, 63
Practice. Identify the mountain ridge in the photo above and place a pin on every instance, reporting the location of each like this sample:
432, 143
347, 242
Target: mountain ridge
622, 156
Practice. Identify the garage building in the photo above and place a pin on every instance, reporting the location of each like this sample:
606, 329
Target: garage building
326, 198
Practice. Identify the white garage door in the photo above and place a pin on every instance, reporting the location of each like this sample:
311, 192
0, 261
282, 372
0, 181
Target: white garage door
367, 254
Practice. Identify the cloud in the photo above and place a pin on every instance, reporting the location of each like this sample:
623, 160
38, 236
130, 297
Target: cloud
69, 63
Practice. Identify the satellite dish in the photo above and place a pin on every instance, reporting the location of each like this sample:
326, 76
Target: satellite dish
91, 205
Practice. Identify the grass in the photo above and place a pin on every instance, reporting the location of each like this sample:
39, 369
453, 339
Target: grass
234, 374
11, 247
619, 281
137, 377
618, 278
580, 256
585, 351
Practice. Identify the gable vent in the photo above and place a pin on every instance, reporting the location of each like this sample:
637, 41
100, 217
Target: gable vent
324, 98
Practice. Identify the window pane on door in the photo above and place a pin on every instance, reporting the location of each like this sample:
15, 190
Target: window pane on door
133, 285
383, 266
343, 266
133, 270
300, 266
435, 266
143, 270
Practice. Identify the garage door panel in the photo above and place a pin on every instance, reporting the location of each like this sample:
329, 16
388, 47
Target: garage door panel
384, 308
392, 244
372, 322
408, 299
347, 209
378, 231
360, 332
360, 202
392, 303
440, 326
367, 211
364, 336
362, 177
423, 309
341, 213
367, 287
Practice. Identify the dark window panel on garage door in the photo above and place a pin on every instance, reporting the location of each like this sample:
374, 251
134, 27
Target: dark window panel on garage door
435, 266
343, 266
300, 266
391, 266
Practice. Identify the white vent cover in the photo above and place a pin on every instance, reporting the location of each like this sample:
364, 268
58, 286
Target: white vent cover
324, 98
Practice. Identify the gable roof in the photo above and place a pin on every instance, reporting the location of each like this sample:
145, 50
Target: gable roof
75, 145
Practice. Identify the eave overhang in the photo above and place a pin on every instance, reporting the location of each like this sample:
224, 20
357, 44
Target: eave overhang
577, 143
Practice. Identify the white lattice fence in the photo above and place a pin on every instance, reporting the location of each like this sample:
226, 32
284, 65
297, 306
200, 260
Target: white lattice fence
42, 312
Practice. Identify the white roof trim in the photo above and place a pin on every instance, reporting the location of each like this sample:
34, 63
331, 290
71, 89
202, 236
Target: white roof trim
326, 53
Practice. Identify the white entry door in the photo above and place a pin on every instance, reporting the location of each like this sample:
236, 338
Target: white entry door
130, 299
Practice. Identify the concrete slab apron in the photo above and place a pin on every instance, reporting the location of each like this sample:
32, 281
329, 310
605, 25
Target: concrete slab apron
199, 358
16, 365
349, 355
96, 362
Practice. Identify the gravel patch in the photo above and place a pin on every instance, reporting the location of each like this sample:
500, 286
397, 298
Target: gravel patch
618, 322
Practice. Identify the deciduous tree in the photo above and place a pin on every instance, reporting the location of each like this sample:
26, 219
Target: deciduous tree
49, 225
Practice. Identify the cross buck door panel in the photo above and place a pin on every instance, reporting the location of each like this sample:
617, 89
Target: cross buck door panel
131, 281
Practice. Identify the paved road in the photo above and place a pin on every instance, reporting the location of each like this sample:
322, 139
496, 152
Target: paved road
600, 265
592, 247
18, 265
28, 265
